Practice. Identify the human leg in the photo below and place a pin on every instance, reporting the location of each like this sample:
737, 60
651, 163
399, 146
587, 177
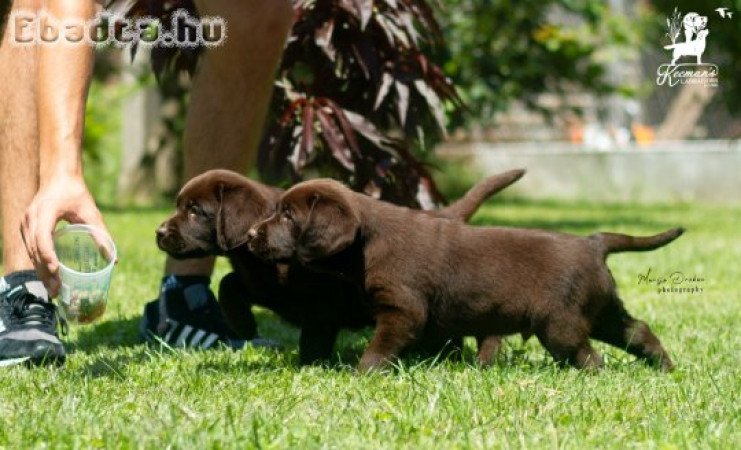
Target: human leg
28, 322
229, 99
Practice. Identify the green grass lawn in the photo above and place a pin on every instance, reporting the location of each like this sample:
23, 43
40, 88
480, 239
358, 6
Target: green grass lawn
116, 392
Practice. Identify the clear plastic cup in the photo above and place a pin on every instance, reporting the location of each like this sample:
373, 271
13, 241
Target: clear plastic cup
86, 259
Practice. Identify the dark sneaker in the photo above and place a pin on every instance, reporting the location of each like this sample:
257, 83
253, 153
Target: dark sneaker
28, 323
186, 314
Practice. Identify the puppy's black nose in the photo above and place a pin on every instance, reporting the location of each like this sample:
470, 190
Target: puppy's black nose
161, 232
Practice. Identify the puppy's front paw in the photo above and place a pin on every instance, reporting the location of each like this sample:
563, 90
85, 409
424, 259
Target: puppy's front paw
371, 362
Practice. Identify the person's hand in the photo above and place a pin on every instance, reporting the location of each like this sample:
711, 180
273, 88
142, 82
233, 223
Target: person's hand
63, 198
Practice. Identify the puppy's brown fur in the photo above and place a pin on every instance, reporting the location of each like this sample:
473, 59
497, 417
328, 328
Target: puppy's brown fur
430, 277
214, 213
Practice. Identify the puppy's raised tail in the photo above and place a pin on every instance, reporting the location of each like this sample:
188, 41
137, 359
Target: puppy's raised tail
617, 243
465, 207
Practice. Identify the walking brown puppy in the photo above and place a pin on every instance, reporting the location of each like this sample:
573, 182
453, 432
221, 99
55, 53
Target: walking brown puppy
427, 277
214, 213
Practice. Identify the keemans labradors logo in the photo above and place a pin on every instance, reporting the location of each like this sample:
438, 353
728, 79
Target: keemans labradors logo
689, 36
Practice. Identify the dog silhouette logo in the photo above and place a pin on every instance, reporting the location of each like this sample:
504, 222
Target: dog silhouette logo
694, 47
695, 36
688, 34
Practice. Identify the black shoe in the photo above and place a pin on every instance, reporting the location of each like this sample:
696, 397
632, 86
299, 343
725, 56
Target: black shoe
187, 315
28, 323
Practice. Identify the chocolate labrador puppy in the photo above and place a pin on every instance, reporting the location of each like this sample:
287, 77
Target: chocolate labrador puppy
427, 276
214, 213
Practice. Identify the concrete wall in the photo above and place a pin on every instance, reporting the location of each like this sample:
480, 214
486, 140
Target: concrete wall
707, 171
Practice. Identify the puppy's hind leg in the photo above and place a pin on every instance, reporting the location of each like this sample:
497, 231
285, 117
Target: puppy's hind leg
617, 327
396, 329
565, 338
488, 349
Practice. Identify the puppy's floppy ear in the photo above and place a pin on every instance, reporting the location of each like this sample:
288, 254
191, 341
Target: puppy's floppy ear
332, 224
239, 208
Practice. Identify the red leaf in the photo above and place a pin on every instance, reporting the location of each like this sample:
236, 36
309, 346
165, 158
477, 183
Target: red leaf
296, 158
335, 141
347, 129
307, 138
365, 10
402, 101
361, 61
323, 39
371, 133
407, 22
349, 6
386, 83
433, 101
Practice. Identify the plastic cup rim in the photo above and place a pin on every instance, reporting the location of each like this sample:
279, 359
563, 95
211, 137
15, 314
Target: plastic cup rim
89, 229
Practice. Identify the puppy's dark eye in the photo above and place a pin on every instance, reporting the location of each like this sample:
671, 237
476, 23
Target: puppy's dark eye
286, 216
195, 210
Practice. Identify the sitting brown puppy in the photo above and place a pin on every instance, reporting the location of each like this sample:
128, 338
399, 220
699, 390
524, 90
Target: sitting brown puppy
214, 213
426, 276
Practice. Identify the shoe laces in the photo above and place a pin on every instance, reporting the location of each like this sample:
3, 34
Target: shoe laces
32, 311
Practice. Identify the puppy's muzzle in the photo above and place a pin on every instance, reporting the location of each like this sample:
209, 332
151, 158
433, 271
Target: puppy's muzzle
161, 233
254, 238
166, 238
258, 241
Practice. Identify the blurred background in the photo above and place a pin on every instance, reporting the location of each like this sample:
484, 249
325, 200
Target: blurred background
565, 88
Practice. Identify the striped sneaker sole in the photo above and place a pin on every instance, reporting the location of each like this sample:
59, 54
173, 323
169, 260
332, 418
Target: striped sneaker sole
13, 362
185, 336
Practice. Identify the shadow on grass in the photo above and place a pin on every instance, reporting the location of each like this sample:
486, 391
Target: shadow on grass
115, 333
112, 367
124, 333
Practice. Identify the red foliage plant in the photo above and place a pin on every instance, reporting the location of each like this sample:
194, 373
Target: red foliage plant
355, 92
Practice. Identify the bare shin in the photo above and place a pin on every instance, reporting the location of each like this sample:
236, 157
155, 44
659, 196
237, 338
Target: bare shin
19, 141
